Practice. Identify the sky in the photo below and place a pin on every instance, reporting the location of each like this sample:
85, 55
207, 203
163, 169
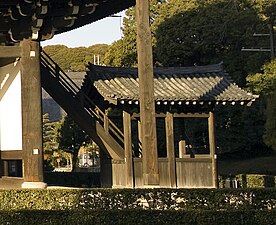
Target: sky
104, 31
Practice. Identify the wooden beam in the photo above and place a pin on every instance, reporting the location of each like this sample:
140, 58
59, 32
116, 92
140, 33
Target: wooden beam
31, 112
146, 92
211, 129
11, 155
177, 115
170, 149
128, 150
10, 51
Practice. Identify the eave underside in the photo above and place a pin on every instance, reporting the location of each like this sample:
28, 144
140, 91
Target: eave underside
42, 19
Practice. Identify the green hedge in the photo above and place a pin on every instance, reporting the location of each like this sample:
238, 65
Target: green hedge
161, 199
138, 217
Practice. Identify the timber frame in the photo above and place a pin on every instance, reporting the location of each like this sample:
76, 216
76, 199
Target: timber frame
186, 171
184, 92
24, 23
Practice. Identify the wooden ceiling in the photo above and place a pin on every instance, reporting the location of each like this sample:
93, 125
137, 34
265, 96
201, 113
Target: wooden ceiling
41, 19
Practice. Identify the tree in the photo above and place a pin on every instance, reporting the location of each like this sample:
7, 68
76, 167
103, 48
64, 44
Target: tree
50, 142
211, 32
265, 84
125, 49
71, 138
75, 59
199, 32
113, 56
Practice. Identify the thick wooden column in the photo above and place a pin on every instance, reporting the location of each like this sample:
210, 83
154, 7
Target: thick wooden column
128, 150
170, 149
146, 89
31, 115
212, 145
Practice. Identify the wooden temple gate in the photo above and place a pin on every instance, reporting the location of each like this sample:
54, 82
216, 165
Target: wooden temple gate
179, 92
24, 70
189, 171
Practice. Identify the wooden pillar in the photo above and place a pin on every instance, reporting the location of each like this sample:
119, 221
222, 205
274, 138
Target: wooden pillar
5, 168
128, 150
170, 149
31, 115
106, 124
182, 149
146, 92
139, 138
212, 144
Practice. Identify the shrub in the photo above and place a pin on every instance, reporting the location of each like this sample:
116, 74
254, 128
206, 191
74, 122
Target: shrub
158, 199
138, 217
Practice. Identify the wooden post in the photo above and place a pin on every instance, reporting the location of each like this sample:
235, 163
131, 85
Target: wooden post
212, 145
5, 168
182, 149
128, 150
146, 91
106, 124
139, 139
31, 115
170, 149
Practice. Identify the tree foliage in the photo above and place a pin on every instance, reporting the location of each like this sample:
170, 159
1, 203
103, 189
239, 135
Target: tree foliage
71, 138
211, 32
265, 83
76, 59
50, 141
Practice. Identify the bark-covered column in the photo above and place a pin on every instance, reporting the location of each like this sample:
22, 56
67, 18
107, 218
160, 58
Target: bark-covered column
212, 148
146, 89
31, 115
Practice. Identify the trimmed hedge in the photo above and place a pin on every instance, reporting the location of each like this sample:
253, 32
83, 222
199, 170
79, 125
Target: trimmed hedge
138, 217
158, 199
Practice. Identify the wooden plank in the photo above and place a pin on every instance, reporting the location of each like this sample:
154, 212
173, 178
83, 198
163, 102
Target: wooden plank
128, 150
177, 115
191, 115
182, 149
118, 168
11, 155
170, 149
31, 112
138, 173
146, 92
211, 129
194, 159
194, 174
10, 51
163, 166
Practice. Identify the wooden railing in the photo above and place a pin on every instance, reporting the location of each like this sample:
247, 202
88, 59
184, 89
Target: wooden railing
83, 99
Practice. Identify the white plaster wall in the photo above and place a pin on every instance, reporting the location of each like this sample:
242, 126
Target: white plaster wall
10, 109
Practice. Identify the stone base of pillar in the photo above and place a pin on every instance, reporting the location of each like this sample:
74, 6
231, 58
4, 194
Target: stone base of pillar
39, 185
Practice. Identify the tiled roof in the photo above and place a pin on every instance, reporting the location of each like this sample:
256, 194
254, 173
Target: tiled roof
171, 85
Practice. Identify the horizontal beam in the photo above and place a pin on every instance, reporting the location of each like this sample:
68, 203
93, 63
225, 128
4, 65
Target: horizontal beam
11, 155
10, 51
177, 115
